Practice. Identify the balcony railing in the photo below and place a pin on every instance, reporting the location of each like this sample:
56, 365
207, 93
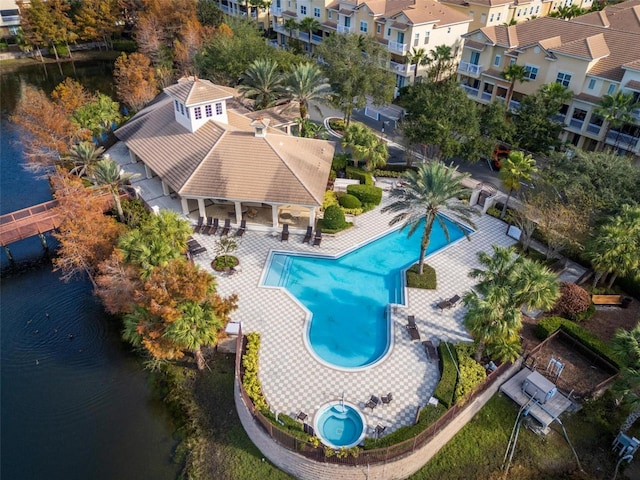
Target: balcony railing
344, 29
276, 11
593, 129
576, 123
622, 140
396, 47
316, 38
402, 68
486, 96
470, 90
513, 105
225, 8
10, 20
470, 68
558, 117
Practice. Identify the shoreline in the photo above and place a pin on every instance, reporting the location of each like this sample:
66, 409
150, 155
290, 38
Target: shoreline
78, 56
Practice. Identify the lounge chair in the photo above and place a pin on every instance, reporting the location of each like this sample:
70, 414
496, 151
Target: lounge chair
301, 416
380, 429
205, 226
198, 226
285, 233
308, 429
308, 235
243, 227
194, 247
213, 228
451, 302
318, 238
226, 228
413, 331
373, 402
411, 321
431, 350
386, 399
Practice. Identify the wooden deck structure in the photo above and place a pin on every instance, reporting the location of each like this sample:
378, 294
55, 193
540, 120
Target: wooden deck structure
28, 222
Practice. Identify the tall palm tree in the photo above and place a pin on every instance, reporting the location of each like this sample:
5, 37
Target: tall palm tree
417, 56
616, 111
263, 83
291, 25
108, 173
432, 188
83, 156
306, 83
513, 73
516, 168
626, 347
309, 24
365, 145
440, 61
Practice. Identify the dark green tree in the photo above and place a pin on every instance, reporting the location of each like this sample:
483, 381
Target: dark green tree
209, 14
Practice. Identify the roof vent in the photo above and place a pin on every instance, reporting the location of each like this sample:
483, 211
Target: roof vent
260, 127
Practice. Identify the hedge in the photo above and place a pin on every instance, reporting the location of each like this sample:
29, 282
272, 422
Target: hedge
366, 194
330, 198
250, 380
334, 218
365, 178
426, 281
472, 373
549, 325
349, 201
447, 386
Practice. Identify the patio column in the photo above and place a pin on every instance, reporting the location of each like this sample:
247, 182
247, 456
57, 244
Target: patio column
132, 156
274, 216
148, 172
165, 188
312, 216
185, 206
201, 210
238, 209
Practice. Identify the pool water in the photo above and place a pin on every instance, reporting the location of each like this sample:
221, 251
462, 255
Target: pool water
340, 425
348, 296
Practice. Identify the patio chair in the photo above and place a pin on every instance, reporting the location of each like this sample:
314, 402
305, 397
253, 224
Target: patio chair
373, 402
243, 227
205, 227
411, 321
308, 429
285, 233
386, 399
213, 228
226, 228
198, 226
301, 416
430, 349
308, 235
318, 238
380, 429
413, 332
453, 301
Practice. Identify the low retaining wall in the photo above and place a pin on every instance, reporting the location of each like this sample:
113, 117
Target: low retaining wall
305, 469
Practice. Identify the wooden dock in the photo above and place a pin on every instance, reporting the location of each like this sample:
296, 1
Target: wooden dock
28, 222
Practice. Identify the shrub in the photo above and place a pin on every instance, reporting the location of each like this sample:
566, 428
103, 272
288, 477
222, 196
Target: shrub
447, 386
135, 212
330, 198
338, 125
573, 300
349, 201
494, 212
334, 218
363, 176
250, 380
426, 281
340, 161
223, 262
549, 325
387, 173
472, 373
122, 45
366, 194
63, 50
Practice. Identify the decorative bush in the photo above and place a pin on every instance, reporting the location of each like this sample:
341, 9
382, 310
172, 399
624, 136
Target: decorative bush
363, 176
330, 198
135, 212
387, 173
367, 194
573, 300
426, 281
250, 380
494, 212
334, 218
549, 325
223, 262
447, 386
340, 161
349, 201
338, 125
471, 373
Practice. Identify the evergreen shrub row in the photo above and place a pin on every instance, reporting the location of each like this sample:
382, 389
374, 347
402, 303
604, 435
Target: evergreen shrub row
367, 194
447, 386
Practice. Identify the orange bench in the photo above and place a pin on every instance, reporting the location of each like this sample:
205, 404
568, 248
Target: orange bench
606, 299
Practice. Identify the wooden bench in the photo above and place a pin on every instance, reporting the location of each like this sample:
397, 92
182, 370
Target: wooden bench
606, 299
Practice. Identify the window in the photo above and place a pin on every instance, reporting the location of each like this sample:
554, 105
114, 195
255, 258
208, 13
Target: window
198, 113
471, 13
182, 109
14, 29
563, 79
364, 26
426, 38
537, 9
496, 61
491, 18
612, 88
530, 72
475, 58
316, 12
498, 17
448, 29
512, 61
483, 18
329, 14
518, 12
208, 111
218, 108
347, 22
530, 10
378, 28
303, 9
592, 84
416, 39
188, 113
388, 32
177, 105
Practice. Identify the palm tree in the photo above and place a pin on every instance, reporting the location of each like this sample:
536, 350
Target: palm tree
626, 347
83, 156
616, 248
309, 24
306, 83
417, 56
616, 111
291, 25
365, 145
432, 188
513, 73
262, 82
107, 173
440, 60
516, 168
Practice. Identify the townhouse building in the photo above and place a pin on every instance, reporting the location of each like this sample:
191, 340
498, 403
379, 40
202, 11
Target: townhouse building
9, 18
592, 55
399, 25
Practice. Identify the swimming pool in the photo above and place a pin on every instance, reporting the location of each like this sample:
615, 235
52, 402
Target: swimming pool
348, 295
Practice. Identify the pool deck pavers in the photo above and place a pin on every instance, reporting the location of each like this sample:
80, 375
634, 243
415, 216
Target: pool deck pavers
293, 380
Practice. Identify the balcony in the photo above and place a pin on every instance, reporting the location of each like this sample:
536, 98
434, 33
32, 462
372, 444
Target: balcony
622, 140
469, 68
470, 90
10, 20
593, 129
558, 117
514, 106
402, 68
486, 96
576, 123
226, 9
276, 11
344, 29
396, 47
